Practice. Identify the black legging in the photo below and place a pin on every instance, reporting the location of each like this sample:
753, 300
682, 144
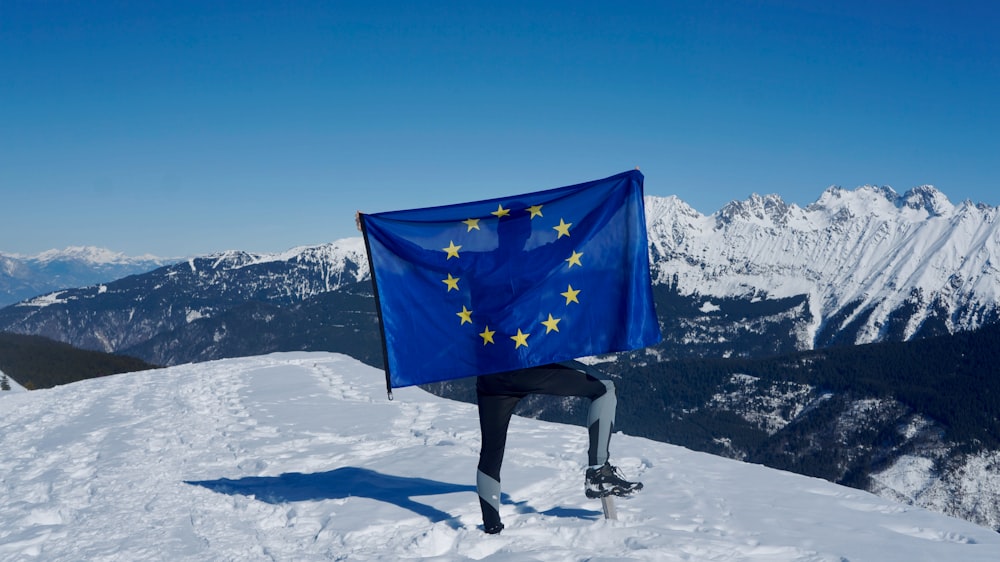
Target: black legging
498, 395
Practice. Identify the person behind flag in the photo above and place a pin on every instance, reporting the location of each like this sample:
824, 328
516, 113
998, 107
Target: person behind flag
461, 288
498, 394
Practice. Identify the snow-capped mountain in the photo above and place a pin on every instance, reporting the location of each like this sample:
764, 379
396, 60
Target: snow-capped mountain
299, 456
120, 314
868, 264
23, 277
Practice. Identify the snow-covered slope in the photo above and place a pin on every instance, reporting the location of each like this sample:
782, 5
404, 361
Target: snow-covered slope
868, 257
301, 457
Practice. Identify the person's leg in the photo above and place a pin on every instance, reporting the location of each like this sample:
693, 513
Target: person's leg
498, 395
573, 378
601, 420
495, 411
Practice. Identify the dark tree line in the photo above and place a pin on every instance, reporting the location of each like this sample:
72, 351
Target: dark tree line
37, 362
955, 380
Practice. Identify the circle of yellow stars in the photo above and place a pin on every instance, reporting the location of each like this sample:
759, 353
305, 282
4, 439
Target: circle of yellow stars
551, 324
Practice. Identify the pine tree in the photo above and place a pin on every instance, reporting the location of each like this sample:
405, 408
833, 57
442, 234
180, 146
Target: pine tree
4, 382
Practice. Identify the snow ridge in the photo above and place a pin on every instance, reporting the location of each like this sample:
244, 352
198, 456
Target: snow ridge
95, 255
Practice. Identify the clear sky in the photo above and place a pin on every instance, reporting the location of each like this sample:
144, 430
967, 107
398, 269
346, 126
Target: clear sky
185, 128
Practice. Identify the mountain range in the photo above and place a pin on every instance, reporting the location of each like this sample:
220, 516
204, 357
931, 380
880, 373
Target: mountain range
757, 278
760, 278
23, 277
856, 266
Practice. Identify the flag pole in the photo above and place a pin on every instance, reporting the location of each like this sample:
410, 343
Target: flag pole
371, 272
608, 504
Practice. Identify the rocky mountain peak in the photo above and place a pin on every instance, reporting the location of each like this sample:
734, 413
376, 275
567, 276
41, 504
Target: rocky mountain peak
839, 202
770, 209
926, 197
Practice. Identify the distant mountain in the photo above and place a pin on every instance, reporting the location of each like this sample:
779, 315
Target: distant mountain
344, 321
23, 277
134, 310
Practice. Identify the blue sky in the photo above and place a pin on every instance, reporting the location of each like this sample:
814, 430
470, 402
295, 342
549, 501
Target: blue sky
185, 128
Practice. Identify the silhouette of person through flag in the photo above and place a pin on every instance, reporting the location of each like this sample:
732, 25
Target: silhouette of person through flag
514, 282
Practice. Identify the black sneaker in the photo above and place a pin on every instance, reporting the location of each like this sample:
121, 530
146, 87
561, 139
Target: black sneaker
608, 481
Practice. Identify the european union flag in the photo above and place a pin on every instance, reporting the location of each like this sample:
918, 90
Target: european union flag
496, 285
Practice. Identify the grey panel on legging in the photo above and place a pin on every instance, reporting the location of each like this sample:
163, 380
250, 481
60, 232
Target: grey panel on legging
600, 424
489, 499
601, 416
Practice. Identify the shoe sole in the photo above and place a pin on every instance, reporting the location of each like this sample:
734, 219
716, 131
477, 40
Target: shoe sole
617, 492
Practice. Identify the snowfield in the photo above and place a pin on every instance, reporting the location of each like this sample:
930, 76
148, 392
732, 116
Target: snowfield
300, 456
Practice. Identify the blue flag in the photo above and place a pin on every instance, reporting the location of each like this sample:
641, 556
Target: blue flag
496, 285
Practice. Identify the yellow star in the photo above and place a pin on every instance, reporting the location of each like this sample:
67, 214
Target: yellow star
487, 335
471, 223
520, 339
575, 259
562, 229
465, 315
451, 282
535, 210
551, 324
452, 250
501, 212
571, 294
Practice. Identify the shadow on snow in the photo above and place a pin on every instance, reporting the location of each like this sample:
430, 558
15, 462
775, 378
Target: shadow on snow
349, 482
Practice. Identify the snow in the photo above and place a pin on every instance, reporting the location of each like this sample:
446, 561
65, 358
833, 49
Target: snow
917, 479
869, 251
770, 410
46, 300
93, 255
13, 384
336, 250
709, 307
908, 477
83, 253
300, 456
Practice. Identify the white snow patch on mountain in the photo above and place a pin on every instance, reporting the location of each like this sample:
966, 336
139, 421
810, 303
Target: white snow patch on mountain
13, 384
908, 477
708, 307
299, 456
869, 248
91, 254
46, 300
